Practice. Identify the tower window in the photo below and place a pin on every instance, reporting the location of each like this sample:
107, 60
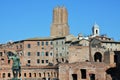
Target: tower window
96, 31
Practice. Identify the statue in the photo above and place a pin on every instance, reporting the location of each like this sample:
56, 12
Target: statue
16, 67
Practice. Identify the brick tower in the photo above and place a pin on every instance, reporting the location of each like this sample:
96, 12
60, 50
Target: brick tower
60, 26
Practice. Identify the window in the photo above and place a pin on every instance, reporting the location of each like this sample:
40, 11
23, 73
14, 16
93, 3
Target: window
111, 49
8, 61
48, 74
17, 46
29, 46
57, 60
38, 61
74, 76
42, 47
67, 52
46, 61
19, 74
29, 53
20, 46
98, 57
30, 75
51, 43
57, 43
111, 44
1, 54
3, 75
92, 76
96, 31
56, 55
62, 59
42, 53
62, 42
9, 75
46, 53
60, 54
24, 74
42, 43
2, 59
29, 61
34, 74
83, 73
63, 48
106, 43
46, 43
39, 74
50, 54
38, 43
38, 53
42, 61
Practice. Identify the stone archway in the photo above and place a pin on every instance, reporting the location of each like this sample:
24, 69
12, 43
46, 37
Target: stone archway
98, 57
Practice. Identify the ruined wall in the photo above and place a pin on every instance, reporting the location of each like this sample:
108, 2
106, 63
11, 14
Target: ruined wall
82, 71
78, 54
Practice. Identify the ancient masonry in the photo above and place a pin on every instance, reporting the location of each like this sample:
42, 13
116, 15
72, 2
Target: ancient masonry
63, 56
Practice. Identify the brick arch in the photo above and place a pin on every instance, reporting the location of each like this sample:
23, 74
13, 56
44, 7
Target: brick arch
98, 57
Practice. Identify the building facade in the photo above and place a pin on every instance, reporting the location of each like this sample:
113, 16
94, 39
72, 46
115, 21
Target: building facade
63, 56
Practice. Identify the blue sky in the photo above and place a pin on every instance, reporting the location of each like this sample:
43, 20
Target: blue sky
21, 19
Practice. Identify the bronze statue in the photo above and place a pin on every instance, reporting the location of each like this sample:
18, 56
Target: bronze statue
16, 67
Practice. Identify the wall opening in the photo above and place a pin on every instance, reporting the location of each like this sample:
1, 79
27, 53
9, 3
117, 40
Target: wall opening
8, 61
83, 73
92, 76
9, 75
24, 74
96, 31
30, 75
39, 74
74, 76
19, 74
98, 57
3, 75
62, 59
34, 74
115, 58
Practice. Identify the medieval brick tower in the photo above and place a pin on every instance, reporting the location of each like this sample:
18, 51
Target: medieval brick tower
60, 26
